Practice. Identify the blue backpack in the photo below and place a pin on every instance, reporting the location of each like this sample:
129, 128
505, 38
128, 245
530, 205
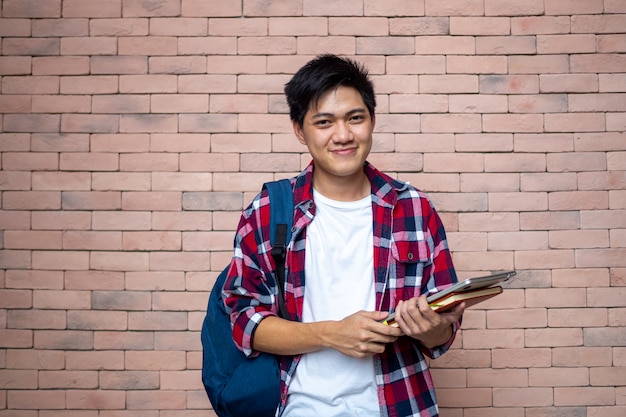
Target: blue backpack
238, 386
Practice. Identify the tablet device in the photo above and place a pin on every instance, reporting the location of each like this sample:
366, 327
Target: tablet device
468, 285
473, 284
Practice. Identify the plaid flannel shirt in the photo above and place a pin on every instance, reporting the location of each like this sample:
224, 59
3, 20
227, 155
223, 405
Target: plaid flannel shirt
411, 257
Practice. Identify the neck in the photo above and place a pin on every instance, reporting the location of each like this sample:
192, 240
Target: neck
351, 188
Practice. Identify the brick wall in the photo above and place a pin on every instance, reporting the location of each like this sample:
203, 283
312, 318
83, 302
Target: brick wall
134, 131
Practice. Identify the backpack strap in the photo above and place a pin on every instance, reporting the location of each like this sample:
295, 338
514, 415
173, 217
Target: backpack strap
281, 218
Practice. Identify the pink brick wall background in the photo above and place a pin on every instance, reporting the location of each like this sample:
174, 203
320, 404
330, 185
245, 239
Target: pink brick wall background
134, 131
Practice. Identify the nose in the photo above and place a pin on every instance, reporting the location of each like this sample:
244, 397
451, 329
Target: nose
342, 133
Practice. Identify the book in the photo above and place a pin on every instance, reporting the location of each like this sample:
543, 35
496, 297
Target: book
471, 298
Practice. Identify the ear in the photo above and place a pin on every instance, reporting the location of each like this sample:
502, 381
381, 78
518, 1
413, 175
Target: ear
373, 117
297, 130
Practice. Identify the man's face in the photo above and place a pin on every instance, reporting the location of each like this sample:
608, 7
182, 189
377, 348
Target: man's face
338, 134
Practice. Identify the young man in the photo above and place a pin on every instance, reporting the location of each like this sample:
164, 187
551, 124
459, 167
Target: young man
363, 245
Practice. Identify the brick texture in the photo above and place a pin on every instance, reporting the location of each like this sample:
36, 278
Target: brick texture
132, 133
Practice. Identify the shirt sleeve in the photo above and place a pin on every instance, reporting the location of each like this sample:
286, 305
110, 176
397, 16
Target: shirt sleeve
249, 288
440, 272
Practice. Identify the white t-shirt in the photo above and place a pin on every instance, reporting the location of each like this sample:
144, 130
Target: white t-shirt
339, 282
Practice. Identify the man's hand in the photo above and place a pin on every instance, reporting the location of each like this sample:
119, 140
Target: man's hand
361, 334
419, 321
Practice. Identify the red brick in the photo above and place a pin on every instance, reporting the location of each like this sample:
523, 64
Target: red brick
36, 319
60, 65
107, 181
121, 220
493, 339
68, 379
105, 340
597, 102
138, 84
61, 299
91, 200
448, 84
248, 27
32, 46
88, 240
29, 279
155, 360
579, 122
568, 396
472, 397
488, 182
597, 63
206, 46
97, 320
32, 8
554, 337
340, 26
497, 45
151, 241
454, 8
15, 27
509, 84
96, 399
565, 83
513, 8
92, 8
328, 7
518, 123
154, 45
15, 65
37, 123
453, 162
236, 65
435, 45
539, 64
589, 317
15, 220
582, 356
101, 84
601, 23
572, 44
548, 181
522, 397
121, 104
120, 142
477, 64
176, 65
34, 359
65, 340
16, 239
92, 123
56, 142
611, 43
94, 280
119, 261
119, 65
182, 261
88, 46
16, 299
157, 399
579, 200
461, 25
31, 200
39, 399
155, 281
118, 27
147, 123
65, 103
182, 221
179, 103
543, 103
61, 220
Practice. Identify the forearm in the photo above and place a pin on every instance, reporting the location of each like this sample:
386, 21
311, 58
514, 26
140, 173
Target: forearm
284, 337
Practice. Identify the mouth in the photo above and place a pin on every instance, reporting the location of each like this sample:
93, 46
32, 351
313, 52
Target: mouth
344, 152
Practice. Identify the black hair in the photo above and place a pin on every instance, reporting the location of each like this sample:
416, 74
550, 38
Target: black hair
324, 73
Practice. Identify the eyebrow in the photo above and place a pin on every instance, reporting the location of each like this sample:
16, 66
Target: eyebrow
350, 113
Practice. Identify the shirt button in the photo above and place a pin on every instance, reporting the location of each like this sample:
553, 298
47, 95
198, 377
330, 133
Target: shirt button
410, 256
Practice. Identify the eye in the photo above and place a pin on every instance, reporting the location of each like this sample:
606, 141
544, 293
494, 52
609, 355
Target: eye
322, 122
